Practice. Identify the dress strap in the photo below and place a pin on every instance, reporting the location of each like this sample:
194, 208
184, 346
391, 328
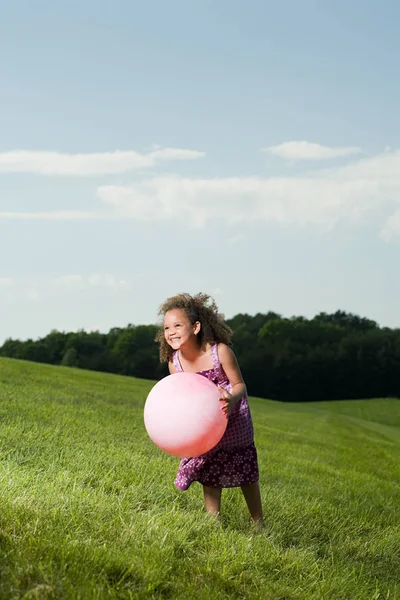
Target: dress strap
176, 361
215, 359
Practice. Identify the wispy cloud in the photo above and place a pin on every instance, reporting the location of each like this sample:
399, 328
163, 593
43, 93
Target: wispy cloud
106, 163
368, 188
6, 282
299, 201
67, 281
309, 151
34, 295
50, 289
322, 199
104, 280
62, 215
391, 230
238, 238
109, 281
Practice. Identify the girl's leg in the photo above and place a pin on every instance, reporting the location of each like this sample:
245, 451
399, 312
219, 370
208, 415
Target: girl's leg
212, 497
252, 496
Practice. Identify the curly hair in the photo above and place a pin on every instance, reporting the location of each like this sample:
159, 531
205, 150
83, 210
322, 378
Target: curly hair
202, 308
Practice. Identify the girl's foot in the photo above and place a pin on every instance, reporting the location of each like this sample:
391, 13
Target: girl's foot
259, 526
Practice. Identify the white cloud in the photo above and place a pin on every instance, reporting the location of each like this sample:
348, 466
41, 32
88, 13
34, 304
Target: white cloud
309, 151
298, 201
62, 215
348, 193
109, 281
68, 281
6, 282
391, 230
104, 280
105, 163
217, 291
368, 188
33, 295
38, 290
238, 238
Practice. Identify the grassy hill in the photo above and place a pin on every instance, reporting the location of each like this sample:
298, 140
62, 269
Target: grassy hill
89, 509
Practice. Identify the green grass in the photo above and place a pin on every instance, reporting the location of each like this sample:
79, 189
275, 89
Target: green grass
88, 509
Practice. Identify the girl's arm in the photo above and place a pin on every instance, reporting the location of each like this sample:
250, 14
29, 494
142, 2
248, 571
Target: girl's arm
230, 365
171, 367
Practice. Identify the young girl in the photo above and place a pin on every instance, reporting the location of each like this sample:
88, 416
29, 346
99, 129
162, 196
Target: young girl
195, 338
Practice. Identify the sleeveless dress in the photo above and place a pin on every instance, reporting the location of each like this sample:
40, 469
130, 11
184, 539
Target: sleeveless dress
233, 461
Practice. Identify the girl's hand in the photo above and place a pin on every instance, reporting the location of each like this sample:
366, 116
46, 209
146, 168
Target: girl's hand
226, 398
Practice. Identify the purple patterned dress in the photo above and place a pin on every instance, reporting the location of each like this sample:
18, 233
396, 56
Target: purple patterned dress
233, 461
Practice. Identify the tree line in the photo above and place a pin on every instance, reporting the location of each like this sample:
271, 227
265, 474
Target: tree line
329, 357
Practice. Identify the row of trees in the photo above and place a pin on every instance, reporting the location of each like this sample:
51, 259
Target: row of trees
332, 356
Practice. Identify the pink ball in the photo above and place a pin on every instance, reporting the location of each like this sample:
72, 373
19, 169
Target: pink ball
183, 415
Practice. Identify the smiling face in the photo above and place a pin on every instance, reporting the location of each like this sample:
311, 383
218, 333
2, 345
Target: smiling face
178, 330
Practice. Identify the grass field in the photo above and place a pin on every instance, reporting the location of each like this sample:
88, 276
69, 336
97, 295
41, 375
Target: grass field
88, 509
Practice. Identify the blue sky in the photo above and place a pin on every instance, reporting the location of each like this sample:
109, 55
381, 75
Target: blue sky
251, 151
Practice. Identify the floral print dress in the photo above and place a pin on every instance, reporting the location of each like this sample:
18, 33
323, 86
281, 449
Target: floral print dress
233, 461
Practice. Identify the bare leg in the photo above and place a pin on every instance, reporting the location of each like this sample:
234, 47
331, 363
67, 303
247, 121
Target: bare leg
252, 496
212, 497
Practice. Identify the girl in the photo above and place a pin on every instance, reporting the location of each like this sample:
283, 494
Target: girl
195, 338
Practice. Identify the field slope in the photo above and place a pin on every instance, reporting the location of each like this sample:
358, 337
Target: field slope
88, 509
